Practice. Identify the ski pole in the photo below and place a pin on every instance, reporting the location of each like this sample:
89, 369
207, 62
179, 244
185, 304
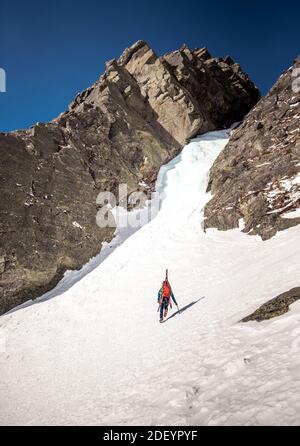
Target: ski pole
159, 304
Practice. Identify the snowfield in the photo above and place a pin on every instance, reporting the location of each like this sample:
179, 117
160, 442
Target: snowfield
93, 352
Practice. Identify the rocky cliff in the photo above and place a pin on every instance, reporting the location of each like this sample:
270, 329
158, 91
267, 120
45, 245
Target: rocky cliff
257, 176
122, 129
275, 307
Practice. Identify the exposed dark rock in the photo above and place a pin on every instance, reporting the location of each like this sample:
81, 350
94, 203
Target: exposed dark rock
275, 307
135, 118
257, 176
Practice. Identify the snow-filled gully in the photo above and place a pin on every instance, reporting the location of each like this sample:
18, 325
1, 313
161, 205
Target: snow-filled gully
93, 352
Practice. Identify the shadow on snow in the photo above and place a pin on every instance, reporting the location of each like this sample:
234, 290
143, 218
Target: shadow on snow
184, 308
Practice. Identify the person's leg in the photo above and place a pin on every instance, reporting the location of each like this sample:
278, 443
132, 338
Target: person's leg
161, 310
166, 307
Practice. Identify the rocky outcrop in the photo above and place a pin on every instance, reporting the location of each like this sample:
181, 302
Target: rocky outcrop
257, 176
135, 118
275, 307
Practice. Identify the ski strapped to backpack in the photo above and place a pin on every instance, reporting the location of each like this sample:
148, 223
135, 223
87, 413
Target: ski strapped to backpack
166, 292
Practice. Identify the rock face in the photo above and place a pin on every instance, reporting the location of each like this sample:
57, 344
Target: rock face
135, 118
257, 176
275, 307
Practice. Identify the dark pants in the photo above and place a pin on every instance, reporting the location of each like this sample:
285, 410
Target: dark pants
164, 306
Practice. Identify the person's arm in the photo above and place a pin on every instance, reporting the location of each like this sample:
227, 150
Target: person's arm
173, 298
159, 295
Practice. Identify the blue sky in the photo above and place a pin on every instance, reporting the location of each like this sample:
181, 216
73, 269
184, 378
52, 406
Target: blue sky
50, 50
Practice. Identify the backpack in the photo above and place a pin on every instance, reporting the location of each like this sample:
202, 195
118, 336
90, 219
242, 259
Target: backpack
166, 290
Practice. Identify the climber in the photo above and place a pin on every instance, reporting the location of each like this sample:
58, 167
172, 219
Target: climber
164, 298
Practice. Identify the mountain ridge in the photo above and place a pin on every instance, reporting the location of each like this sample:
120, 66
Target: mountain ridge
257, 175
133, 119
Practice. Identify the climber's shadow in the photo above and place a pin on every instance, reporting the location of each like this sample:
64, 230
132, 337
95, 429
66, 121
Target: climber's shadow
184, 308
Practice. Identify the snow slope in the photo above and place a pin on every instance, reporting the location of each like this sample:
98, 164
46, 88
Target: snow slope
96, 354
